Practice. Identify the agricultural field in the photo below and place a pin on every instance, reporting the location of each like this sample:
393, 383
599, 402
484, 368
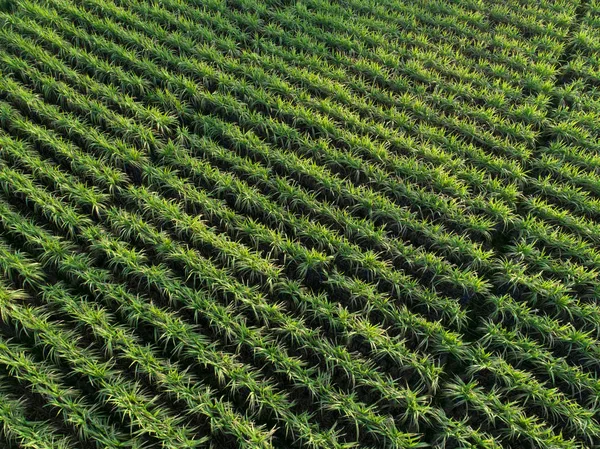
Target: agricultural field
299, 224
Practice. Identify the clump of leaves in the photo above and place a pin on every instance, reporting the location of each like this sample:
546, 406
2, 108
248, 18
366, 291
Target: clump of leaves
8, 5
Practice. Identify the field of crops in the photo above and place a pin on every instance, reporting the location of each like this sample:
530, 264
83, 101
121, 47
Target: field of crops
299, 224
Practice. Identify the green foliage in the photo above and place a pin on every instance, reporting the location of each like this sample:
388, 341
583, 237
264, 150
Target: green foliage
8, 6
299, 224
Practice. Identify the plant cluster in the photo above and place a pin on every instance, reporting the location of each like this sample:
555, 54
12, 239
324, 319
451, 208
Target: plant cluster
268, 224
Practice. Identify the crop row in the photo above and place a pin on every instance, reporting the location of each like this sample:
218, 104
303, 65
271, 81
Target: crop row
316, 224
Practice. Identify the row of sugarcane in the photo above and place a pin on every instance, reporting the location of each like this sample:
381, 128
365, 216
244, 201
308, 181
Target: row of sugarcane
127, 260
138, 135
498, 209
54, 211
267, 344
547, 232
500, 213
